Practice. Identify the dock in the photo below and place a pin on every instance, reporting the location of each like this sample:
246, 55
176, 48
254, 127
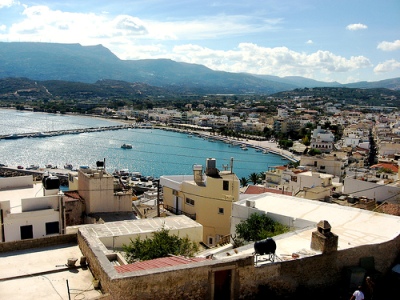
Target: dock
70, 131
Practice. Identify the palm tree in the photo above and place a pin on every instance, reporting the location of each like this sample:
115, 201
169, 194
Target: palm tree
254, 177
243, 181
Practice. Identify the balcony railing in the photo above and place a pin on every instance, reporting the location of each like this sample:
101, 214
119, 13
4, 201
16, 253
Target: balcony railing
179, 212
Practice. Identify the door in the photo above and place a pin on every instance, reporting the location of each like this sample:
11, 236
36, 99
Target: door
222, 285
178, 205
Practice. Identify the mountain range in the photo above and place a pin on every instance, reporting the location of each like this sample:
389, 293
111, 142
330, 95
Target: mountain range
90, 64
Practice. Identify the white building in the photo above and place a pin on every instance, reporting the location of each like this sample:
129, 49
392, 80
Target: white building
30, 210
322, 139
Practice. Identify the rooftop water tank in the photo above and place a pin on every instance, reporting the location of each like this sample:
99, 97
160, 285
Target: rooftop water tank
51, 183
267, 246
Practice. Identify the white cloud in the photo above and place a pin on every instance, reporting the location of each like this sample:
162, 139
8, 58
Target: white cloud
389, 46
387, 66
279, 61
357, 26
309, 42
6, 3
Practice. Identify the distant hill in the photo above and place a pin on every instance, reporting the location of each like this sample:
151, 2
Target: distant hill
89, 64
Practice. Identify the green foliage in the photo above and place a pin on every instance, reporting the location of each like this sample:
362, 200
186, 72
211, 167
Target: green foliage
314, 152
254, 178
162, 244
258, 227
285, 144
243, 181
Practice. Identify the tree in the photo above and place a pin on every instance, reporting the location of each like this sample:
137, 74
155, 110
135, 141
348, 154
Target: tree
258, 227
243, 181
161, 245
254, 177
372, 150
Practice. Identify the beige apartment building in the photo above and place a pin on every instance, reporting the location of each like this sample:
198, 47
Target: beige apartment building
204, 197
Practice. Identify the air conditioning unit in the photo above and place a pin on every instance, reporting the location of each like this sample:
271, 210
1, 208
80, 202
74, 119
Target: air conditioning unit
250, 203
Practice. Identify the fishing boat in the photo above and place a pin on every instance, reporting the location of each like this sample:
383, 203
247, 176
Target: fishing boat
126, 146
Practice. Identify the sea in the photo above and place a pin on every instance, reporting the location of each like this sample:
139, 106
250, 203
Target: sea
155, 152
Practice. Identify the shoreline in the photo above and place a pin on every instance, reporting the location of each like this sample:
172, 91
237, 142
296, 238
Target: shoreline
268, 146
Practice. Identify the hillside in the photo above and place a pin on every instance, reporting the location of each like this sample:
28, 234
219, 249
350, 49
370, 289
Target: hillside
89, 64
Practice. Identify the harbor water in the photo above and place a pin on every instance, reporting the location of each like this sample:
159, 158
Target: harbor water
155, 152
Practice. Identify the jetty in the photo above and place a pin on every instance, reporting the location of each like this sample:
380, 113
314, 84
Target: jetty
70, 131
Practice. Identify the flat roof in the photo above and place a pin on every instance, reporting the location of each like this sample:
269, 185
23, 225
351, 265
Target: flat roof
14, 195
140, 226
42, 273
353, 226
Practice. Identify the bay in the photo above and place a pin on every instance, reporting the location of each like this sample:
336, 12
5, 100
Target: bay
154, 152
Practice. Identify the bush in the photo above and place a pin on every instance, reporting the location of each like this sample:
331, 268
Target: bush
161, 245
258, 227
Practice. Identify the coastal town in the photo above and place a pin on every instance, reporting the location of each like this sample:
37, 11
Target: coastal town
342, 163
199, 150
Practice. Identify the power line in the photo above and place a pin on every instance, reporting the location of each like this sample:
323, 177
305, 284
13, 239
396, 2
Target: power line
157, 145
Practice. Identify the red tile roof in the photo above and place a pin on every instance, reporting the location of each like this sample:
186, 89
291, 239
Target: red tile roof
392, 167
158, 263
255, 190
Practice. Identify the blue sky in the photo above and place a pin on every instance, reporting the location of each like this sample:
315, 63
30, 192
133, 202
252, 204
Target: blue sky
344, 41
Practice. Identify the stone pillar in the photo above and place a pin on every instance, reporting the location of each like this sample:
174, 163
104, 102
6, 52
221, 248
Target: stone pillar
323, 239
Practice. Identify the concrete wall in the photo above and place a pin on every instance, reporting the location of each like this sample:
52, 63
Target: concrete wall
317, 274
371, 190
194, 233
38, 220
16, 182
38, 243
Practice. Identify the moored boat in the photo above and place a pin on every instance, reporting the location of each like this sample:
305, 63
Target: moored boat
126, 146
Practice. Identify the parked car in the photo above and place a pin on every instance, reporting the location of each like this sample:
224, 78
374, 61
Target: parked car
20, 167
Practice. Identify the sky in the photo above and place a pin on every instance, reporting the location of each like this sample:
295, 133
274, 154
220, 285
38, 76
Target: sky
341, 40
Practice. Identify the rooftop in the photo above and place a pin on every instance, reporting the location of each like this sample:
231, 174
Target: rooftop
354, 226
43, 273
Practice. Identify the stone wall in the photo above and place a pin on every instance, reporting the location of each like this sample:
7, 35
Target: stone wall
37, 243
313, 275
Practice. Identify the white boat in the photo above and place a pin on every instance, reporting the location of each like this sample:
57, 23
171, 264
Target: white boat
265, 151
126, 146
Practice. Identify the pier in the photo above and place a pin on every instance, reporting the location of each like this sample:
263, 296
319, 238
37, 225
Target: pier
69, 131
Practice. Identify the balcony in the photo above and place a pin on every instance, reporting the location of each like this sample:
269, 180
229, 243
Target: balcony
179, 212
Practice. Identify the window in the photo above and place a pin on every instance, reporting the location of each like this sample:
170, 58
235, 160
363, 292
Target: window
220, 210
225, 185
189, 201
210, 240
26, 232
52, 228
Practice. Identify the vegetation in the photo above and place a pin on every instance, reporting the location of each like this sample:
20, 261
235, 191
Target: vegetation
254, 178
162, 244
258, 227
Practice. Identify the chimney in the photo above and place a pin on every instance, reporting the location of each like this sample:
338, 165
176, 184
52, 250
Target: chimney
323, 239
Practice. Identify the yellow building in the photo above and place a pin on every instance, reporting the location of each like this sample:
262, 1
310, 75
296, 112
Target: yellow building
206, 198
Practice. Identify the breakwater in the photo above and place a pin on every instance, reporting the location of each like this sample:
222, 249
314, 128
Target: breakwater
69, 131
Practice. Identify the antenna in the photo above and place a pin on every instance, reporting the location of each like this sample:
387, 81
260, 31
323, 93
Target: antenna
231, 164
